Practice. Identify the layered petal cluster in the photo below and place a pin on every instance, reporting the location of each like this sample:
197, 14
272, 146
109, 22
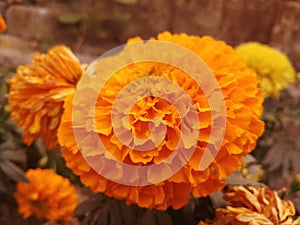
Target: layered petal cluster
243, 101
248, 205
274, 69
46, 196
37, 93
2, 23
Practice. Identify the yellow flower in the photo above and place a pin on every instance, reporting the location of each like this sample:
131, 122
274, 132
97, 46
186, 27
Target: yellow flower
297, 178
274, 69
46, 196
248, 206
2, 23
37, 93
243, 126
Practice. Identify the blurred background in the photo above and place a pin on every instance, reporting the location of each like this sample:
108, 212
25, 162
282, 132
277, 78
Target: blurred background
91, 27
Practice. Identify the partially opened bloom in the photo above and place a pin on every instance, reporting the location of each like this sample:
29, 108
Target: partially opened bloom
37, 93
274, 69
248, 206
2, 23
46, 196
243, 127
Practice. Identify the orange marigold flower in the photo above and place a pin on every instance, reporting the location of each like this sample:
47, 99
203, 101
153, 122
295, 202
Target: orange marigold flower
37, 93
248, 205
2, 23
46, 196
243, 101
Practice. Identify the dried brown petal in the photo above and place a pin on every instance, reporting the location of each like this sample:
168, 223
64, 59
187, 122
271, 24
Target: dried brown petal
251, 206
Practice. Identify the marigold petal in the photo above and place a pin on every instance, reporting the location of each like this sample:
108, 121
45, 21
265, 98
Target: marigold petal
47, 196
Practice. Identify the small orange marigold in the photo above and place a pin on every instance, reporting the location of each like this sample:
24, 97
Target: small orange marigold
46, 196
37, 93
2, 23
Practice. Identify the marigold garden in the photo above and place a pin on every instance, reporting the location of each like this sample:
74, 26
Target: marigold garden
49, 135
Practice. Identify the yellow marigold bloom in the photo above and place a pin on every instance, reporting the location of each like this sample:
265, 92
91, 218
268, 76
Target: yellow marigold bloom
274, 69
243, 127
37, 93
248, 205
2, 23
46, 196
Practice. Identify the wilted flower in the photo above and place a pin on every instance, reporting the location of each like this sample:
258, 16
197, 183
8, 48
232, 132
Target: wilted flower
248, 206
243, 127
37, 93
274, 69
46, 196
2, 23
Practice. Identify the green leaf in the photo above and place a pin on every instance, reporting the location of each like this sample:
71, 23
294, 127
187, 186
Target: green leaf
127, 2
69, 18
115, 216
51, 223
217, 199
128, 213
101, 217
282, 159
120, 15
13, 155
12, 171
2, 187
163, 218
237, 178
147, 218
88, 206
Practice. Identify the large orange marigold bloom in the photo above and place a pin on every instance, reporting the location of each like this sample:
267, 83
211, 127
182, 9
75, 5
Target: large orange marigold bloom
46, 196
243, 127
248, 205
2, 24
37, 93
